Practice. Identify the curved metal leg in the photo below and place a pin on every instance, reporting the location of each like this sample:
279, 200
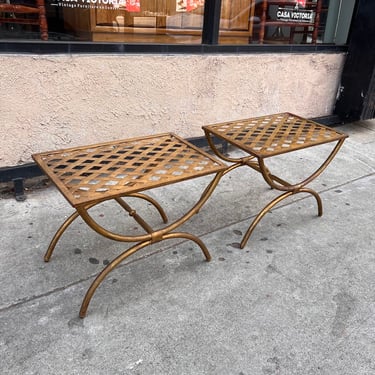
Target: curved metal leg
111, 266
193, 238
58, 235
60, 232
240, 161
74, 215
285, 186
277, 183
154, 203
260, 215
275, 201
317, 197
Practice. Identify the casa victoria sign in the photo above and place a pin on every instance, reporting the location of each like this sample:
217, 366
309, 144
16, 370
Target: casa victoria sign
295, 15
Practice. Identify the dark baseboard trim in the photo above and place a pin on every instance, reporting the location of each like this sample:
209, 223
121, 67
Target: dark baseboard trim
331, 120
71, 47
28, 170
17, 175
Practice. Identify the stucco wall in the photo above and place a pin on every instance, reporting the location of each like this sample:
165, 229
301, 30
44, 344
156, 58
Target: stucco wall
50, 102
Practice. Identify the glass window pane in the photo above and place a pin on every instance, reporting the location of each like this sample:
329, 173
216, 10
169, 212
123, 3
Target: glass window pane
140, 21
285, 21
236, 21
177, 21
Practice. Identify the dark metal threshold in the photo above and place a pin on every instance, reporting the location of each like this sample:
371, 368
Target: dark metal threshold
72, 47
18, 174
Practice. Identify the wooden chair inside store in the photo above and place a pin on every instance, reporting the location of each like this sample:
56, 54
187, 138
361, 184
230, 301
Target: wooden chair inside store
28, 12
309, 30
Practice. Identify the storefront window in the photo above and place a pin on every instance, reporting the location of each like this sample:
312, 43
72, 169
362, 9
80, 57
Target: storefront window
285, 22
176, 21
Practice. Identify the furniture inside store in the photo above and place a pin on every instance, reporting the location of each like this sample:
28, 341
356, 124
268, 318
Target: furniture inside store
159, 22
23, 14
281, 21
241, 22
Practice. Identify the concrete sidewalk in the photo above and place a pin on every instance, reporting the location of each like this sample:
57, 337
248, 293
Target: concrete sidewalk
298, 299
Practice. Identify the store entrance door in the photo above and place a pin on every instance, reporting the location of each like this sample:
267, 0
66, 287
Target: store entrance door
356, 96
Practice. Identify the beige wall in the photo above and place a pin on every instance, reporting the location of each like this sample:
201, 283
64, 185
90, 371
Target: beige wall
50, 102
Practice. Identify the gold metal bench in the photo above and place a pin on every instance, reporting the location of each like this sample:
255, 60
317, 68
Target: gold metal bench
267, 136
89, 175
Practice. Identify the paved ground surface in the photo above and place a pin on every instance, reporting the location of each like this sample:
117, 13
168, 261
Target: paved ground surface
298, 299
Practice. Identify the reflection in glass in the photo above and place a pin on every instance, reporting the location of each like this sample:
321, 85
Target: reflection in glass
181, 21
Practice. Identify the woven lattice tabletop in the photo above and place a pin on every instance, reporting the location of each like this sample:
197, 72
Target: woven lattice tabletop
272, 135
103, 171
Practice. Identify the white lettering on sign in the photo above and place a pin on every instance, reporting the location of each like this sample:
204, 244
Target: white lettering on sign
289, 15
97, 4
281, 14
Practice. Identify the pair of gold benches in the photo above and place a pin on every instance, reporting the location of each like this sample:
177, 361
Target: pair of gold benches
90, 175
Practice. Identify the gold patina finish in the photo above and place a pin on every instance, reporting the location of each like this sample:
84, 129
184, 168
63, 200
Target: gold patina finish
268, 136
89, 175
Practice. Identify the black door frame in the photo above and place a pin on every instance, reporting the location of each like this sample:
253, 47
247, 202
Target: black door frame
356, 95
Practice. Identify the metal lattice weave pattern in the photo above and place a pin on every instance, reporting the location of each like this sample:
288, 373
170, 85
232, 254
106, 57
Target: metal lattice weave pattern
103, 171
274, 134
